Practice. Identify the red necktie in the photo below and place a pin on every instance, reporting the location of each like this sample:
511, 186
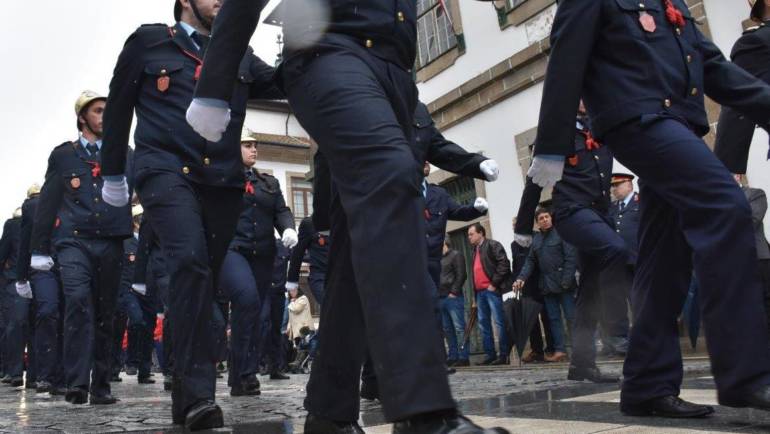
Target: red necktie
673, 14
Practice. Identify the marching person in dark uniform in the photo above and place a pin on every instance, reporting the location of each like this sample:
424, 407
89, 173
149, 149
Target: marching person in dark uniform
376, 185
151, 278
272, 314
751, 52
316, 244
139, 305
16, 302
581, 203
88, 250
642, 68
191, 189
248, 267
624, 214
48, 304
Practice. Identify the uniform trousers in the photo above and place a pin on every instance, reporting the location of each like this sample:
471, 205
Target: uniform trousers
359, 110
194, 224
17, 330
599, 248
245, 280
48, 320
271, 318
90, 276
692, 214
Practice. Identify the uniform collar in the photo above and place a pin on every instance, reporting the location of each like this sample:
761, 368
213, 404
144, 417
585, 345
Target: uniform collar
84, 143
628, 200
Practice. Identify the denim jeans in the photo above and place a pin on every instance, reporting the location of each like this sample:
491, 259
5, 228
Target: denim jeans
490, 305
555, 304
453, 320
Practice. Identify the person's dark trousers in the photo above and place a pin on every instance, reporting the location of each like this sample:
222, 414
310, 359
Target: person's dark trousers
140, 310
691, 208
271, 317
245, 280
764, 271
359, 110
317, 281
195, 224
615, 295
31, 365
17, 330
536, 336
90, 276
599, 247
49, 315
119, 356
161, 289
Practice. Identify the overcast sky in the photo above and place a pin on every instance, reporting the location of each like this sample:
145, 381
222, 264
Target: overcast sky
51, 51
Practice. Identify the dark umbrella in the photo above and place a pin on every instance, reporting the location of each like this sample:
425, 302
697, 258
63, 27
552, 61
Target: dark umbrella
520, 316
691, 313
469, 327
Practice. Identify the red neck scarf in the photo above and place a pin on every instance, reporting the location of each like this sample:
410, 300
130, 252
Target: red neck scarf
674, 15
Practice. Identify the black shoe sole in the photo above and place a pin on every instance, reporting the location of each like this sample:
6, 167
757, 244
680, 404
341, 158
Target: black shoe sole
645, 412
98, 402
246, 393
208, 420
76, 399
575, 377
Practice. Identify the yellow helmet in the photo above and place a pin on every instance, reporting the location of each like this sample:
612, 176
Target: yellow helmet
136, 210
247, 135
85, 98
33, 190
17, 213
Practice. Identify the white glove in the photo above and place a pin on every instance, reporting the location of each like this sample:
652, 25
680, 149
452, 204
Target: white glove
208, 120
509, 295
481, 204
289, 238
490, 170
546, 172
115, 193
522, 240
41, 262
292, 285
139, 288
24, 289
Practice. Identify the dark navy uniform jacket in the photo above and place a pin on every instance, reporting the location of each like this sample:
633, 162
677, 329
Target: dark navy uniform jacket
627, 224
156, 76
735, 131
384, 28
600, 52
280, 264
263, 209
317, 247
128, 269
71, 200
28, 210
440, 208
585, 183
9, 247
149, 256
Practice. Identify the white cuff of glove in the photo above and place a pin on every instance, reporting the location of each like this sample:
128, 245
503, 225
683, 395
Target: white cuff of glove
115, 193
24, 289
208, 120
547, 170
481, 204
509, 295
289, 238
522, 240
41, 262
490, 170
292, 285
139, 288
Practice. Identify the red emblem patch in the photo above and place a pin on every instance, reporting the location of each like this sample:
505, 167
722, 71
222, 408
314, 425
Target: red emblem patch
163, 83
648, 22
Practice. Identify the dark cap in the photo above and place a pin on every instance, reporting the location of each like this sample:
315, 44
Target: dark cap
618, 178
177, 10
757, 9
